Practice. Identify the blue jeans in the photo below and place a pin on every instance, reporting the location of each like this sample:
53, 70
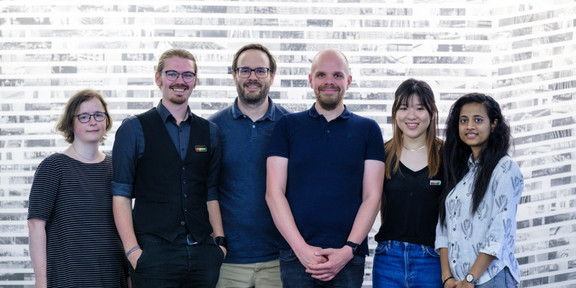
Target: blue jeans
293, 274
503, 279
402, 264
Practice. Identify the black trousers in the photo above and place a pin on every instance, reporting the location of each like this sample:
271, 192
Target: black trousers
170, 265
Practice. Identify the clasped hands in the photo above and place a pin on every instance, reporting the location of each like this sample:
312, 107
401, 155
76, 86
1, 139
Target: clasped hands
324, 264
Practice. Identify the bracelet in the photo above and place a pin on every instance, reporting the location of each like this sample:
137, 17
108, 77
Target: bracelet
446, 280
132, 250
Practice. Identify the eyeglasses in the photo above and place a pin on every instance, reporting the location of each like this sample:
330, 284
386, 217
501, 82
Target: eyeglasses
186, 76
260, 72
98, 116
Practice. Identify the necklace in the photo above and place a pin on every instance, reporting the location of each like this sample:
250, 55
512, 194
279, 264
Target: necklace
413, 150
82, 156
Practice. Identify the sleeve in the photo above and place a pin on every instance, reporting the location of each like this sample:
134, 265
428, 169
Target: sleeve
128, 144
214, 162
375, 149
279, 144
441, 237
44, 190
506, 186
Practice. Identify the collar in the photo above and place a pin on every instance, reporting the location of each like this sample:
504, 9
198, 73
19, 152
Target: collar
472, 163
165, 115
270, 113
312, 112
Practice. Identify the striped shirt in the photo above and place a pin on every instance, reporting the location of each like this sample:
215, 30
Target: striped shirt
83, 247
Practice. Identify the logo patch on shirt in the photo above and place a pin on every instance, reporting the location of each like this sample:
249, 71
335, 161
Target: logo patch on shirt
200, 148
435, 182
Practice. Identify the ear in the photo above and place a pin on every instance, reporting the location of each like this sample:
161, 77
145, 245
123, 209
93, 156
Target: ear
158, 79
493, 125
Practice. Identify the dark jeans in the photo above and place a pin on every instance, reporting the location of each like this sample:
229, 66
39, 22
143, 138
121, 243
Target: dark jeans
168, 265
293, 273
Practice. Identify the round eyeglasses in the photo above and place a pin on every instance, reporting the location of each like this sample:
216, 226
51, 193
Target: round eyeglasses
260, 72
98, 116
186, 76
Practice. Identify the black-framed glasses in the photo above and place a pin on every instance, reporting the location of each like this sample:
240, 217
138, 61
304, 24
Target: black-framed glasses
186, 76
98, 116
260, 72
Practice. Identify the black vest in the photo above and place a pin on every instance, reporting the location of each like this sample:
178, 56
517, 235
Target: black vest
170, 193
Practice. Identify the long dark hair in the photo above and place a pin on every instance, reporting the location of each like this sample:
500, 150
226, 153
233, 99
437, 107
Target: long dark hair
408, 89
456, 153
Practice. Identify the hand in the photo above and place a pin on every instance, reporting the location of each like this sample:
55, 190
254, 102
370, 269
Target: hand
133, 258
224, 250
307, 256
461, 284
451, 283
337, 259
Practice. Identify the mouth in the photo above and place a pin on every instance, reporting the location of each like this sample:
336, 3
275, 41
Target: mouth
412, 125
179, 89
252, 86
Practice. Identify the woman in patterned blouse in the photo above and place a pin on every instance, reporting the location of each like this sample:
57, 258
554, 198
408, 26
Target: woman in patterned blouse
476, 231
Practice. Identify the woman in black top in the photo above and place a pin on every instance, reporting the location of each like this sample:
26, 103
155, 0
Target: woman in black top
405, 255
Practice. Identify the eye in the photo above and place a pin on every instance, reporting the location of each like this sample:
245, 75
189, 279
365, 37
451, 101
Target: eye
463, 121
338, 76
478, 120
172, 74
83, 117
188, 75
245, 70
320, 75
260, 70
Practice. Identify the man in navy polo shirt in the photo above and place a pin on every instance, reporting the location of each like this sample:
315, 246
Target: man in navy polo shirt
246, 127
325, 173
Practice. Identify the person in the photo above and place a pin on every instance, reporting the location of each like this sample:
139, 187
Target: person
405, 255
246, 128
167, 159
325, 171
476, 230
72, 237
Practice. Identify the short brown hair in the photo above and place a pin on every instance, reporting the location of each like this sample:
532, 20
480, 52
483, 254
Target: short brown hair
66, 123
175, 52
254, 46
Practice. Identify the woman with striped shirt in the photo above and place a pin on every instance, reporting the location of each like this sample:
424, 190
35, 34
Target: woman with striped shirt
72, 236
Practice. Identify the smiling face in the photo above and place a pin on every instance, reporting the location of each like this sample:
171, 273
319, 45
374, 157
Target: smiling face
253, 90
412, 118
330, 78
92, 131
474, 127
176, 91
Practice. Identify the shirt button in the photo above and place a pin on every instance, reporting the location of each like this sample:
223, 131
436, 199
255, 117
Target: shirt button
453, 229
182, 223
185, 195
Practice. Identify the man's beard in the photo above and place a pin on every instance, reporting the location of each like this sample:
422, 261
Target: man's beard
253, 99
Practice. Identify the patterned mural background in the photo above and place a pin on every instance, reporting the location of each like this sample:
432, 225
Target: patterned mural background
521, 52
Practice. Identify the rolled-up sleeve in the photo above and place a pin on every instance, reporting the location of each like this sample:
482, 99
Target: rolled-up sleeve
128, 146
214, 174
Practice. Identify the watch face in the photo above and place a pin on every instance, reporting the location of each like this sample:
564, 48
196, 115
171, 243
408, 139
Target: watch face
469, 278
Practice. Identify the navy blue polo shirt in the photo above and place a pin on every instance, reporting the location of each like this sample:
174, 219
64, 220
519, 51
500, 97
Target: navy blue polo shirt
325, 171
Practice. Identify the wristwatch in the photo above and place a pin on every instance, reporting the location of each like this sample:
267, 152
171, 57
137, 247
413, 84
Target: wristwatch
470, 279
354, 246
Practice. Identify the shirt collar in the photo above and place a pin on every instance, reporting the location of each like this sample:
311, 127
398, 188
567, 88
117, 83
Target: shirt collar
312, 112
270, 113
166, 115
472, 163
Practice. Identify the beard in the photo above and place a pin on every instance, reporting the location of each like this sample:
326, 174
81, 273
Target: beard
329, 103
253, 98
